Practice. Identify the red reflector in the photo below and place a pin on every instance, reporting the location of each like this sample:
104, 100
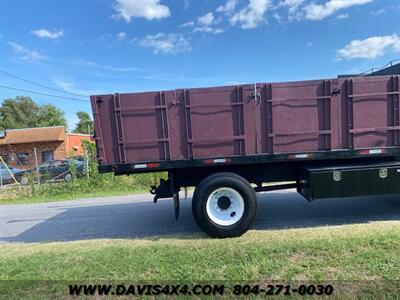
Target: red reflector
215, 161
153, 165
372, 151
145, 166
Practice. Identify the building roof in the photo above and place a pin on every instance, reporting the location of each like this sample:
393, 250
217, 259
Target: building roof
391, 70
78, 134
33, 135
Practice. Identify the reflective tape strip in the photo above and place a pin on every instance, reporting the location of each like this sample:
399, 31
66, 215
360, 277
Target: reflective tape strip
219, 160
140, 166
375, 151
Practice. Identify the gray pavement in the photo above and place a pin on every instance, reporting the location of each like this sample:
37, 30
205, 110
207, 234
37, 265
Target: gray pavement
136, 216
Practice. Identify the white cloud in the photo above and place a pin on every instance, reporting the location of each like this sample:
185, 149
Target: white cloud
208, 29
70, 87
228, 8
370, 48
188, 24
25, 53
166, 43
378, 12
149, 9
293, 6
203, 29
104, 37
206, 20
342, 16
251, 15
321, 11
292, 3
121, 36
278, 17
92, 64
115, 37
205, 24
186, 4
308, 9
48, 34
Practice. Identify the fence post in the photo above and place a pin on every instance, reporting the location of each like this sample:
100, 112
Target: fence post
87, 165
36, 164
1, 175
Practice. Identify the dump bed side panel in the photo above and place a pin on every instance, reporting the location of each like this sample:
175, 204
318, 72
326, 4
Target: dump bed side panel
252, 119
371, 111
301, 116
105, 129
142, 126
219, 122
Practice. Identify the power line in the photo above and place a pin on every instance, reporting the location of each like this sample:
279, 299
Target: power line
42, 94
40, 85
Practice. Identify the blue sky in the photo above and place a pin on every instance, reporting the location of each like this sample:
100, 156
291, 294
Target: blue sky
99, 46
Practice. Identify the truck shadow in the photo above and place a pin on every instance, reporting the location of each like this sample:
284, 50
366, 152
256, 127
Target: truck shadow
277, 210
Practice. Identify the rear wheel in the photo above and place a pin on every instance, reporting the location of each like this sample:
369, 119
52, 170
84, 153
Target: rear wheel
67, 177
224, 205
24, 180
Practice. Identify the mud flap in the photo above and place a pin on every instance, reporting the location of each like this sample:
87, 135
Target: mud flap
166, 189
176, 205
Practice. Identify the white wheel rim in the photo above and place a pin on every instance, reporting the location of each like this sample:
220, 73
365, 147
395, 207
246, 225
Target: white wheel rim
222, 211
67, 177
24, 180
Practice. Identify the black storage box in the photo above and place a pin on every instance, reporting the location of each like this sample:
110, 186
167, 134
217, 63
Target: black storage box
350, 181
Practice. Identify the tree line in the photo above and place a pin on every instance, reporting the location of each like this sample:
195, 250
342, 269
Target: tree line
23, 112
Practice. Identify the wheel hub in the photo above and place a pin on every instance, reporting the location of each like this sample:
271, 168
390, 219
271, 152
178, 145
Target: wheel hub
225, 206
224, 202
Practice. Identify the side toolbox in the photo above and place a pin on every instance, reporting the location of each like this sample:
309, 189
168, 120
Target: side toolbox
350, 180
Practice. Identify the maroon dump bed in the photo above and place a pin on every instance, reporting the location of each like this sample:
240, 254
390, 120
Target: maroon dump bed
263, 119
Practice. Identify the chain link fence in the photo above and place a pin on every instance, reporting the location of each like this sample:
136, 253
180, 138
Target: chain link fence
35, 166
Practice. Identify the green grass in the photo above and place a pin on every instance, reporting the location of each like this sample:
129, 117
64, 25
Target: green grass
102, 186
69, 196
355, 255
98, 186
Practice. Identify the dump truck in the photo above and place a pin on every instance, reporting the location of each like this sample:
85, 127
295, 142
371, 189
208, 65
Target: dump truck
330, 138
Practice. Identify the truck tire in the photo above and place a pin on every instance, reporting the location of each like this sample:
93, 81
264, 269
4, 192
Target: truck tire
224, 205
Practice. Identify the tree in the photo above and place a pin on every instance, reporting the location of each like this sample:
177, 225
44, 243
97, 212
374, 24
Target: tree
85, 123
23, 112
50, 115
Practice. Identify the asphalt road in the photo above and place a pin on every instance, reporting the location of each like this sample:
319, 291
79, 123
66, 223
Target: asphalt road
136, 216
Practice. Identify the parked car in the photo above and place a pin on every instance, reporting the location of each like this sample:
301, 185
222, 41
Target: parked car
53, 170
5, 175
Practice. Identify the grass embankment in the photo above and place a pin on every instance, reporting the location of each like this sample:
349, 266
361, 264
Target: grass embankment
359, 255
97, 186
